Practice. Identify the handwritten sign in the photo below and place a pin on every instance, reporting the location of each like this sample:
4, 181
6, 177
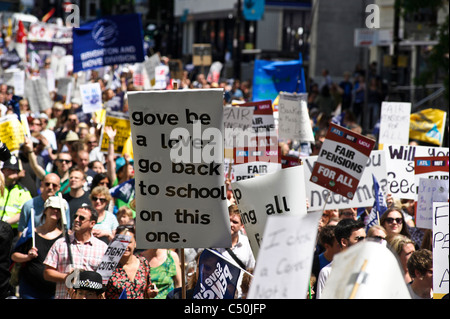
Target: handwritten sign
178, 155
341, 161
283, 268
237, 122
279, 193
429, 191
441, 275
432, 167
293, 118
394, 123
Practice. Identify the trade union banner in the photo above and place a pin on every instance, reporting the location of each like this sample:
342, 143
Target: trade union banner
107, 41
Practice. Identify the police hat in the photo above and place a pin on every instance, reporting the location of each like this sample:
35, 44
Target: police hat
12, 163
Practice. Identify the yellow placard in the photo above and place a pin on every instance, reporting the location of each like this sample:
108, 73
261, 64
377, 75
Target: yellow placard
12, 133
428, 126
122, 126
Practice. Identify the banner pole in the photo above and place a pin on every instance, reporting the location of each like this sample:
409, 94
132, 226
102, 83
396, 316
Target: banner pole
359, 280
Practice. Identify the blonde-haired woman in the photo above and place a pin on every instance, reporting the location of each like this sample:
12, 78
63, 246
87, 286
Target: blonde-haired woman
105, 229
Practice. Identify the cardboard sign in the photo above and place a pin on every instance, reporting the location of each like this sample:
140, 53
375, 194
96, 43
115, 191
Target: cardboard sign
293, 118
112, 256
178, 155
283, 268
282, 192
364, 196
394, 123
121, 123
441, 275
366, 270
431, 167
429, 191
341, 161
400, 167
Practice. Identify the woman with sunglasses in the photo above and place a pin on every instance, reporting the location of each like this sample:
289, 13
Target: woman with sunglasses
107, 222
393, 221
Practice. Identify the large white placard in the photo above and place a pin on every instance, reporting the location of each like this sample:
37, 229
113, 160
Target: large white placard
282, 192
283, 268
394, 123
441, 275
178, 156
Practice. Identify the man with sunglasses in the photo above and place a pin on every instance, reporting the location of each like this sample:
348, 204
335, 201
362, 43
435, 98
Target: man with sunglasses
348, 232
50, 186
86, 251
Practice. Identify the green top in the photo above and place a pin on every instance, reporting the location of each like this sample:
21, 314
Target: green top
162, 276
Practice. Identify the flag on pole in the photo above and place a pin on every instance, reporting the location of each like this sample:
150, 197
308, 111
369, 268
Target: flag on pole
27, 233
48, 15
123, 294
379, 206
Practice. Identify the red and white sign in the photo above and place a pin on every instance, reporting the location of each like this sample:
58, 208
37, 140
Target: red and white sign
341, 161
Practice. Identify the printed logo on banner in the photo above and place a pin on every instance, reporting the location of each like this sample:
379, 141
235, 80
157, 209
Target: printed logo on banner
105, 32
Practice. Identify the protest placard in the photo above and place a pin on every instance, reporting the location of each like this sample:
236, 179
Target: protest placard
319, 196
282, 192
108, 41
91, 97
429, 191
112, 256
441, 275
178, 155
394, 123
366, 270
341, 161
121, 123
283, 268
400, 167
431, 167
217, 277
11, 132
237, 122
36, 92
293, 118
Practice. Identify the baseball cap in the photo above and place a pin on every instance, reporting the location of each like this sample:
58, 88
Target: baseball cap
120, 162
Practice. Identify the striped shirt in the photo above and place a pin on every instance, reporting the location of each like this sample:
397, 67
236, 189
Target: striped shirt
86, 256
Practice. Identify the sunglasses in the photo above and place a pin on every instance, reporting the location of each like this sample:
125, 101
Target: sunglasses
64, 161
390, 220
102, 200
52, 184
82, 218
359, 238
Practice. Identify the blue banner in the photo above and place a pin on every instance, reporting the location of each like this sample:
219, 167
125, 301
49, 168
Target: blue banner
270, 78
253, 10
107, 41
217, 277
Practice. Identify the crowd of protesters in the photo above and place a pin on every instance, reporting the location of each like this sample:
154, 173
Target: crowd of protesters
63, 156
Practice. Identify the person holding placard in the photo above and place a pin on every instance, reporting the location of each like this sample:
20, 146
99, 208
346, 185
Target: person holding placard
32, 284
132, 272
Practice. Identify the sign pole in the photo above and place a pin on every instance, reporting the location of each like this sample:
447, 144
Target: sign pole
183, 274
